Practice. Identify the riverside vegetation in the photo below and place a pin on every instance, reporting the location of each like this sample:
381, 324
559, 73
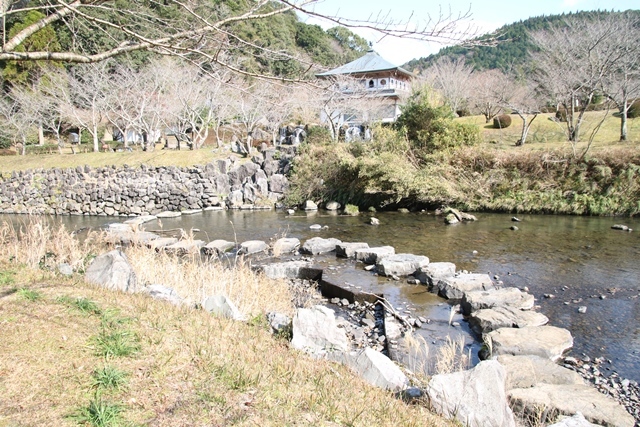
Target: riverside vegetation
74, 354
430, 159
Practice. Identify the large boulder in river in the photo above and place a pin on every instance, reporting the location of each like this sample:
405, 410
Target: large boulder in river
544, 341
503, 297
489, 319
319, 245
434, 271
112, 271
401, 264
476, 397
374, 255
455, 287
316, 331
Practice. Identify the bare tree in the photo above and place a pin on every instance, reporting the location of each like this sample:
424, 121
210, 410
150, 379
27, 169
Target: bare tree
622, 84
204, 28
84, 98
571, 62
197, 97
488, 91
452, 78
20, 115
522, 99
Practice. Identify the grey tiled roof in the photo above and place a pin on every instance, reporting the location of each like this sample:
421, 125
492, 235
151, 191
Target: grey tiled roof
371, 62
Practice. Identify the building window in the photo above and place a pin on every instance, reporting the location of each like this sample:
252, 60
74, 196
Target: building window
371, 84
383, 82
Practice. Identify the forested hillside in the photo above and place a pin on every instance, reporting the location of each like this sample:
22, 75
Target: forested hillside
505, 49
279, 44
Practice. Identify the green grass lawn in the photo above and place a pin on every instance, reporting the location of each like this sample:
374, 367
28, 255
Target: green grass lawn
134, 158
546, 134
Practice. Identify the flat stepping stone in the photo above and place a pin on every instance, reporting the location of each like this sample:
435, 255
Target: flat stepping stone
131, 237
455, 287
218, 247
286, 270
401, 264
213, 208
253, 247
544, 341
529, 371
185, 246
489, 319
434, 271
569, 399
141, 219
168, 214
319, 245
503, 297
121, 227
161, 242
373, 255
191, 211
285, 245
348, 250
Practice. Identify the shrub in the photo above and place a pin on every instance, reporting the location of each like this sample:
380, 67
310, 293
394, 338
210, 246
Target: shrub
318, 134
634, 109
431, 128
502, 121
561, 115
463, 112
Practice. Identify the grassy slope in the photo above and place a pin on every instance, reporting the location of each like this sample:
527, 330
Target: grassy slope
546, 134
189, 368
134, 158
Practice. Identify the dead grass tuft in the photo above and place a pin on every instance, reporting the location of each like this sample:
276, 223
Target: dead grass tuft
190, 368
195, 279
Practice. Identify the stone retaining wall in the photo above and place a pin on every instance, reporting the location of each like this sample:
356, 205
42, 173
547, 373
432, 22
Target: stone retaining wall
127, 191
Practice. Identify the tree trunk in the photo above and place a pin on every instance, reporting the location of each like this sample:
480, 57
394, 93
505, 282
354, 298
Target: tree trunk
40, 134
623, 121
96, 142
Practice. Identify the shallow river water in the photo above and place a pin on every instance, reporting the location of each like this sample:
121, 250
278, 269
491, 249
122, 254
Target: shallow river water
580, 260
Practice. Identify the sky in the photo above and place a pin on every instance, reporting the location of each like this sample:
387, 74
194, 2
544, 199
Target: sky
485, 16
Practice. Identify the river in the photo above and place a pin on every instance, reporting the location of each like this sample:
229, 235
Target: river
579, 260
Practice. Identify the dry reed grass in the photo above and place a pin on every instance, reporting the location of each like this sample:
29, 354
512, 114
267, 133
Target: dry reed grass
449, 357
190, 368
195, 279
36, 242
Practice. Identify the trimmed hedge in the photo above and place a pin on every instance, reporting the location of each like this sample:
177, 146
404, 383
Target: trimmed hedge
502, 121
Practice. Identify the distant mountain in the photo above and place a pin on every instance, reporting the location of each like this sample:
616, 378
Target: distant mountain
508, 47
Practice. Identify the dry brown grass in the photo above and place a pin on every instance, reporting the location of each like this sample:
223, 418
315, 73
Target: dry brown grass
191, 368
35, 242
195, 279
